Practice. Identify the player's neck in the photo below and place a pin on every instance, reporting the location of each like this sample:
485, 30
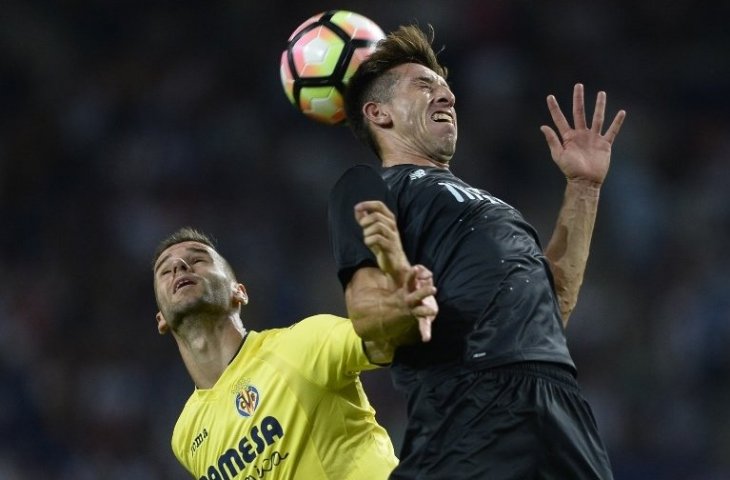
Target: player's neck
391, 159
208, 347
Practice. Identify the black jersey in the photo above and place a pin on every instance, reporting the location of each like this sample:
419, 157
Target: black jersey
496, 299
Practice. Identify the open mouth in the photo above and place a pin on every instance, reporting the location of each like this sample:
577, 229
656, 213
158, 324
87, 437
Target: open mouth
183, 282
442, 117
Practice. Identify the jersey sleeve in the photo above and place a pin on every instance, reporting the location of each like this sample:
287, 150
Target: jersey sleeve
328, 351
357, 184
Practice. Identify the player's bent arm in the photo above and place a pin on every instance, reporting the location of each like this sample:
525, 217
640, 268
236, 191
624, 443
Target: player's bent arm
567, 251
378, 310
381, 236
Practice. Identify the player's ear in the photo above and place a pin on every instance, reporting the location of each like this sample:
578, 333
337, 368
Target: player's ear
239, 294
162, 325
376, 114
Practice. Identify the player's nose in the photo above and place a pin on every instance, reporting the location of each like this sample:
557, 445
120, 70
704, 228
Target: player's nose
179, 264
445, 96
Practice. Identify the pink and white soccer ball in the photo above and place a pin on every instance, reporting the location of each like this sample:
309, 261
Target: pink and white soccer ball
321, 56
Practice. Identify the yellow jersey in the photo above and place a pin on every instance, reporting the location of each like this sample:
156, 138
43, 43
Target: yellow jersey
289, 406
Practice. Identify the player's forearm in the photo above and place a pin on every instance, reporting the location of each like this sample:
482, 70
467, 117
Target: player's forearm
569, 246
380, 315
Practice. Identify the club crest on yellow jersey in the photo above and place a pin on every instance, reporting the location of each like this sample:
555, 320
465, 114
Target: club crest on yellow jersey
246, 398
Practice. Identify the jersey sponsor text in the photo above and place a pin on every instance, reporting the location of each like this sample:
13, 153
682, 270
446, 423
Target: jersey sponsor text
249, 448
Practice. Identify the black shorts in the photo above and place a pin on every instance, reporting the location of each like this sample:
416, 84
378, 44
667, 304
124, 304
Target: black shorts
521, 421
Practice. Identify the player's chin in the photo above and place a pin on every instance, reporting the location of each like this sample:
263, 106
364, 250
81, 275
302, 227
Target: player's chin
444, 128
445, 145
443, 155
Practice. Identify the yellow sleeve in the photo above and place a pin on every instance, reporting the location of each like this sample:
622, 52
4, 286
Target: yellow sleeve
326, 349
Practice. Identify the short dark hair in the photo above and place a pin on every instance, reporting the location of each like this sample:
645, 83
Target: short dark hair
372, 80
185, 234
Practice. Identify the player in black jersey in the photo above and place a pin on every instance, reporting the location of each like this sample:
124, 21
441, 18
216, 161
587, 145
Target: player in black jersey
493, 394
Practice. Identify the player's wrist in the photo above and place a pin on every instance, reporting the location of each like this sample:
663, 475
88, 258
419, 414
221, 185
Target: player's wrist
584, 186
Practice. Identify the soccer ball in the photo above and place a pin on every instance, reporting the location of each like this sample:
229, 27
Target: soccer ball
321, 56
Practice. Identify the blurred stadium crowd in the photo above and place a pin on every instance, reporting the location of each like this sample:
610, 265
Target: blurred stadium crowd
122, 121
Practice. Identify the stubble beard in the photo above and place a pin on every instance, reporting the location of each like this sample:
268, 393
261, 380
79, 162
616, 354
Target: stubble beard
199, 310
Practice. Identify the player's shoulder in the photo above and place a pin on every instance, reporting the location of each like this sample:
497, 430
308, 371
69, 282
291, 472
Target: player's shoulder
358, 171
309, 337
313, 326
318, 324
313, 332
357, 183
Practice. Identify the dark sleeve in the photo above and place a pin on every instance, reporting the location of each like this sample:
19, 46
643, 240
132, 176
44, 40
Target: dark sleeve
357, 184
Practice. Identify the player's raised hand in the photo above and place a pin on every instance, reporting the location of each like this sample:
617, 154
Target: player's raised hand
380, 234
582, 151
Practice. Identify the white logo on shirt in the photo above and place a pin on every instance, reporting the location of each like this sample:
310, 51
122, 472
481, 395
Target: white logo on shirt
461, 193
417, 174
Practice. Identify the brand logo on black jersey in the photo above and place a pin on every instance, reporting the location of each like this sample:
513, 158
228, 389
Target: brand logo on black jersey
247, 398
417, 174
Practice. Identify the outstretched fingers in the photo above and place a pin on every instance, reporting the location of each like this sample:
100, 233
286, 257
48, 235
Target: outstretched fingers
599, 116
615, 127
555, 138
599, 113
579, 107
557, 115
553, 141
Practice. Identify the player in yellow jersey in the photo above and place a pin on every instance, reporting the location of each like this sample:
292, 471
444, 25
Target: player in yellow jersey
276, 404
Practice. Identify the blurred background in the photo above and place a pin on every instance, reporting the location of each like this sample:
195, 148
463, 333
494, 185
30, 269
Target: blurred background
122, 121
